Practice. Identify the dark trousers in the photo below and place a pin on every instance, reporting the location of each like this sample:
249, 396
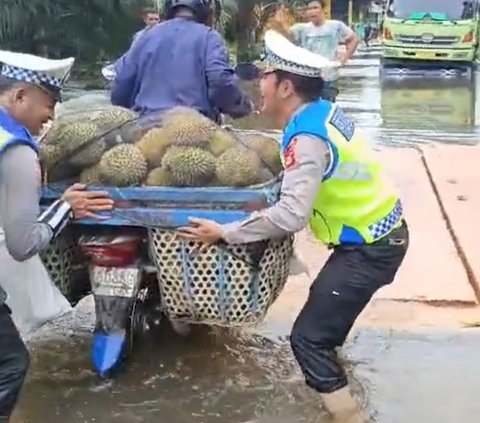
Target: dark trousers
338, 295
14, 362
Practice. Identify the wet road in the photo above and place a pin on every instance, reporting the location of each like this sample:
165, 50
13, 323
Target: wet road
406, 112
413, 111
214, 376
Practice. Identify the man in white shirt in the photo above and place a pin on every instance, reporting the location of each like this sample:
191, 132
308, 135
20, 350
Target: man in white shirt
321, 36
150, 17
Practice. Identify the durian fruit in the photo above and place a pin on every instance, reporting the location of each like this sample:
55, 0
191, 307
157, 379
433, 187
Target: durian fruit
160, 177
187, 127
123, 165
268, 149
214, 182
153, 146
89, 155
237, 167
50, 155
131, 132
113, 117
263, 175
74, 136
178, 111
189, 166
91, 175
61, 123
113, 138
111, 122
54, 134
220, 142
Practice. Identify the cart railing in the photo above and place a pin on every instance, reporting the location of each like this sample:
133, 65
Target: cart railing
166, 207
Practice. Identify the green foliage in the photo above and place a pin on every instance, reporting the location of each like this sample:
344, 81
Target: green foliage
98, 30
87, 29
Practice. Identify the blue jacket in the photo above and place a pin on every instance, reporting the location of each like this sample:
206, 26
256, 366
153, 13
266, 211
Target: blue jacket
12, 133
179, 63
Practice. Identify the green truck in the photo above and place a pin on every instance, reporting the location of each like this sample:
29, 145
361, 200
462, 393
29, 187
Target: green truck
431, 35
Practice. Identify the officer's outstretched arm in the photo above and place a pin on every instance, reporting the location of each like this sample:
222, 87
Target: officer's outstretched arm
20, 182
306, 160
223, 90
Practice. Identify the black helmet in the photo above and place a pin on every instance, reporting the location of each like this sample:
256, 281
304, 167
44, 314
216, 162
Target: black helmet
199, 8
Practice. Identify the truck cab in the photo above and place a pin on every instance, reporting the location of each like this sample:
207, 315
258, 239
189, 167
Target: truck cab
431, 32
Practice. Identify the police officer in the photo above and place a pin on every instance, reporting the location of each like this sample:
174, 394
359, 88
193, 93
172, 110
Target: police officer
333, 182
180, 62
29, 88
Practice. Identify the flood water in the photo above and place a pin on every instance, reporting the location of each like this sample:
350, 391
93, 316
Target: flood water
231, 377
405, 112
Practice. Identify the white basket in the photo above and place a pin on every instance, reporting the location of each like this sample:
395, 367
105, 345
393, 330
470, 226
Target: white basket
226, 286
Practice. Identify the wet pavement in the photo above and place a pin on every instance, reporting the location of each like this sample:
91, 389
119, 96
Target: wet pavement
410, 112
420, 377
403, 112
402, 374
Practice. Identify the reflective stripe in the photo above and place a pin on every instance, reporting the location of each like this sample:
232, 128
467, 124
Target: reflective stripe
388, 223
56, 216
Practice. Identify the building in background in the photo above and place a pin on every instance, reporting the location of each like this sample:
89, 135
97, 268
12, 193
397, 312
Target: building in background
353, 11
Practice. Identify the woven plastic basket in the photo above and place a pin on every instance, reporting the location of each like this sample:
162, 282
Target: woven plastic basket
60, 259
227, 286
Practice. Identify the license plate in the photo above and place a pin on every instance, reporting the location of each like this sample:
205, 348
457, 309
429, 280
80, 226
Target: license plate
425, 55
115, 281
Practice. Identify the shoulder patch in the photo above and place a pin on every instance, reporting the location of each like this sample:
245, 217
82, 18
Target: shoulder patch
290, 155
342, 123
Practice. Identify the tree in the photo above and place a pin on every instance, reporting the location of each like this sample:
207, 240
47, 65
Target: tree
245, 35
97, 30
87, 29
250, 24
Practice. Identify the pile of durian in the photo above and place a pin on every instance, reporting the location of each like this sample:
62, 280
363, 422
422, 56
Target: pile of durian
183, 149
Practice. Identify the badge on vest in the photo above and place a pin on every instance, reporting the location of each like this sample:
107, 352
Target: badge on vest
290, 158
342, 123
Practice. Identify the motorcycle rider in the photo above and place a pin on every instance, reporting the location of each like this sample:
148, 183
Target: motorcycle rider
180, 62
29, 88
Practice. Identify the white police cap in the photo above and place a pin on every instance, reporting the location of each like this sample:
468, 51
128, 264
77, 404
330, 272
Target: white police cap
49, 74
282, 54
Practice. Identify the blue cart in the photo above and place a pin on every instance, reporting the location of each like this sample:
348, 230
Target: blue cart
142, 274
